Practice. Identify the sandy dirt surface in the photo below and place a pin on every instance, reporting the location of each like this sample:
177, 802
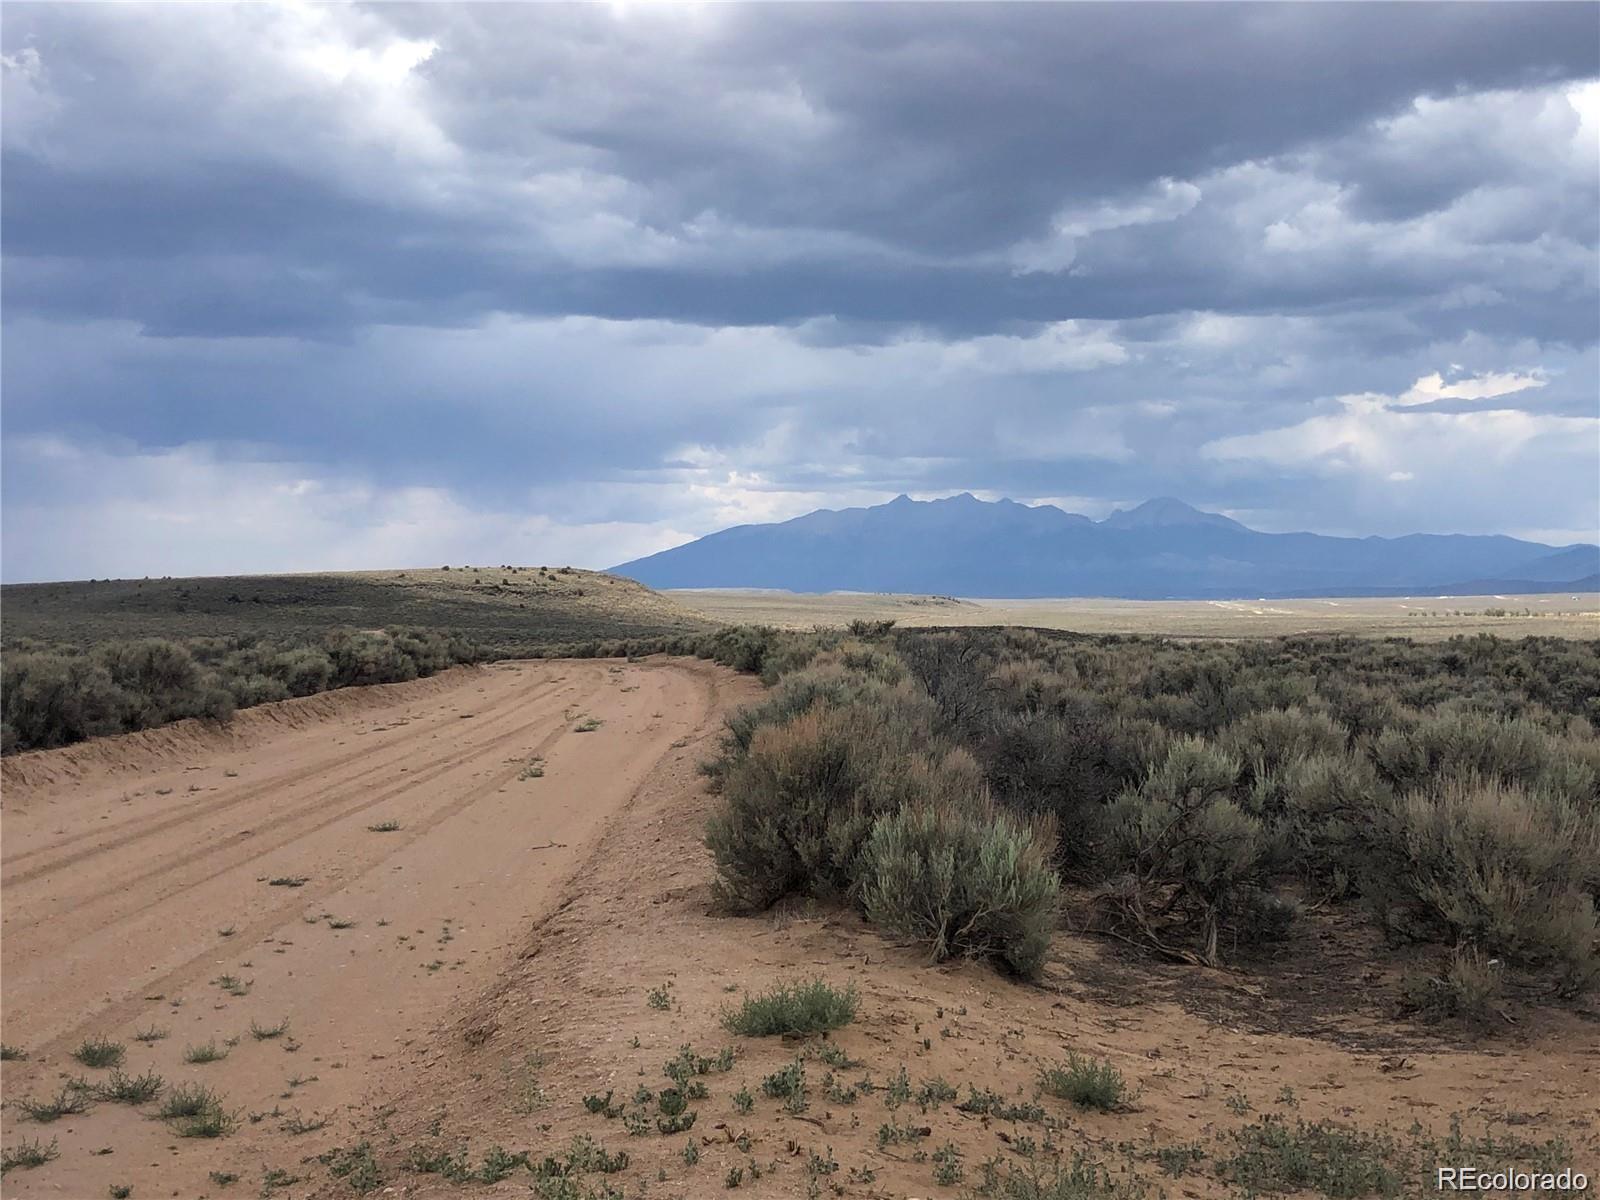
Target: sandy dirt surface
509, 937
1421, 617
139, 872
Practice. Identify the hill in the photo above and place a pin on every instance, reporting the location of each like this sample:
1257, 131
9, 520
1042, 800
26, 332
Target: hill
1162, 549
504, 609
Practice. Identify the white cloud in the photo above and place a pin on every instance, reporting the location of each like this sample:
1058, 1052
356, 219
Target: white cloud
191, 510
1385, 436
1481, 387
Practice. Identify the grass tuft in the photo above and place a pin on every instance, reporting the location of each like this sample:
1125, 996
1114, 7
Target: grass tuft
99, 1053
1087, 1082
130, 1089
28, 1154
206, 1052
793, 1008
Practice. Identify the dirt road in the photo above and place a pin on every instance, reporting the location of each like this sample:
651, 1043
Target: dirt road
351, 865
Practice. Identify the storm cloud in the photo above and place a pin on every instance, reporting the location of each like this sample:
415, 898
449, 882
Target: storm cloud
314, 286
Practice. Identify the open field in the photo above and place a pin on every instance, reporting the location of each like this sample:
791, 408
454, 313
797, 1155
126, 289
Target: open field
481, 929
509, 610
1422, 617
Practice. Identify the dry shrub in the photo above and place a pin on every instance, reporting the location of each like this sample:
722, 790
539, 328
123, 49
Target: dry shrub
1193, 858
1271, 739
800, 803
1494, 866
964, 879
57, 699
1470, 989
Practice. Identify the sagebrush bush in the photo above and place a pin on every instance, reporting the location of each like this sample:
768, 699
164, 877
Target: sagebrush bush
1470, 988
55, 700
799, 804
964, 879
1494, 866
1191, 854
1201, 789
54, 697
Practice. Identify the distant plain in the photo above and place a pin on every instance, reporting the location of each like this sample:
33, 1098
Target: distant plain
1422, 617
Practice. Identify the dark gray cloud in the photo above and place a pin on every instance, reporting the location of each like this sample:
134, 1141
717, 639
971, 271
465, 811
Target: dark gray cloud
642, 270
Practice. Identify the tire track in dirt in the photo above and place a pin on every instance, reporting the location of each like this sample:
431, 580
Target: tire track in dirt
134, 829
195, 969
236, 852
429, 915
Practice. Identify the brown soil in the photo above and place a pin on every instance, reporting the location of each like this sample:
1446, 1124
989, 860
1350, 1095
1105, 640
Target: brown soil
567, 899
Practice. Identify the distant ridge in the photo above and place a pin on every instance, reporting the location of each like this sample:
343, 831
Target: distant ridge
1161, 549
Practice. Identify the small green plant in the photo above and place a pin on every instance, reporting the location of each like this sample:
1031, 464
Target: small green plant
356, 1166
206, 1052
587, 725
787, 1082
384, 827
28, 1154
70, 1101
898, 1089
99, 1053
120, 1191
194, 1111
636, 1122
659, 997
733, 1178
830, 1053
295, 1124
933, 1093
232, 984
893, 1134
10, 1053
691, 1153
678, 1123
341, 923
794, 1008
586, 1154
743, 1101
150, 1036
223, 1178
992, 1104
1316, 1156
289, 881
1176, 1160
130, 1089
947, 1168
1087, 1082
263, 1033
602, 1106
275, 1180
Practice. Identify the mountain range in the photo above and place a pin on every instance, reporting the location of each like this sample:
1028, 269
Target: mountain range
1162, 549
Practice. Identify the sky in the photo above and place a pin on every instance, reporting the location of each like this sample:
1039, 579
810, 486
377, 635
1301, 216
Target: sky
308, 287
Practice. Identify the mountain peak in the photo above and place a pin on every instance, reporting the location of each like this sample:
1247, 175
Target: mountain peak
964, 546
1165, 511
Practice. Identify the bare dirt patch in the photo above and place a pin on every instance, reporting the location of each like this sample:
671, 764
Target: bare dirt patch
299, 898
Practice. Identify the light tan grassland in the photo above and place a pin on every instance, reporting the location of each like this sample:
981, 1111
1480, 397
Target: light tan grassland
1421, 617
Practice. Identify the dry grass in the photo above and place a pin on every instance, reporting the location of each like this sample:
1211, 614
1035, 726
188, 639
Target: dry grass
1422, 617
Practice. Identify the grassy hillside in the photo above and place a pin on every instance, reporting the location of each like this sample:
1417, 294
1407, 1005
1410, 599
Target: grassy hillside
505, 610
